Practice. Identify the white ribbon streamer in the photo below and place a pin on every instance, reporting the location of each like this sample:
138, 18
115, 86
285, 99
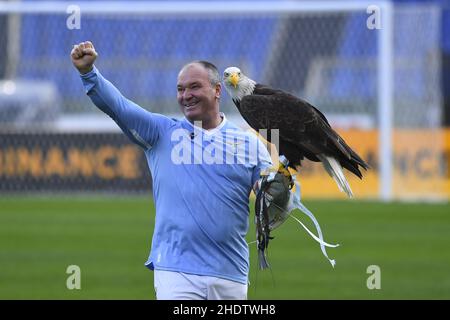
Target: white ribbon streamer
295, 203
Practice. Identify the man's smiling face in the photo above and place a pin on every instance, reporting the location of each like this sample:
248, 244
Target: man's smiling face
196, 95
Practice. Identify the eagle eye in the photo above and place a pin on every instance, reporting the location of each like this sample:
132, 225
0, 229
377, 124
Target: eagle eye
226, 74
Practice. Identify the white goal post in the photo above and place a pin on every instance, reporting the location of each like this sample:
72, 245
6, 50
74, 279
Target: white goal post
192, 8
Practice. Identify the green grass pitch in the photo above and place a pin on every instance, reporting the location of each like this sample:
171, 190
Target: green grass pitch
109, 239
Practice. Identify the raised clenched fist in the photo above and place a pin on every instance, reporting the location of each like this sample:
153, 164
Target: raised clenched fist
83, 56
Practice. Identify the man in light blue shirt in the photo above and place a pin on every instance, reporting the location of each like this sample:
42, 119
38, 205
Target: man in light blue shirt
203, 169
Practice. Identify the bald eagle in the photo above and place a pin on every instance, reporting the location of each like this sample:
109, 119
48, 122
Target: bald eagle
304, 132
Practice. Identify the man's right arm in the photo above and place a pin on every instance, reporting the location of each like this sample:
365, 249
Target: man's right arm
141, 126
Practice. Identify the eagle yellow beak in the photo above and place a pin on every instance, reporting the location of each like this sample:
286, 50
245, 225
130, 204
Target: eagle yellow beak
234, 79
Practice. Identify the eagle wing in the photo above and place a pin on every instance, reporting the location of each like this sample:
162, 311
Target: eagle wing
303, 130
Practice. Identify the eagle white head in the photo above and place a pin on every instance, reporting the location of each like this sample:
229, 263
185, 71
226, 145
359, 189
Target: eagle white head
237, 84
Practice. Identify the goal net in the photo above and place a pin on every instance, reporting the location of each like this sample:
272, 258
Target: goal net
364, 65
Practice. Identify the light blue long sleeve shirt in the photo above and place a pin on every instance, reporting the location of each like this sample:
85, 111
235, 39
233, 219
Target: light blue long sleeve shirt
202, 180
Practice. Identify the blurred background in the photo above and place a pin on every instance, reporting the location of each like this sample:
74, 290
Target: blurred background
74, 190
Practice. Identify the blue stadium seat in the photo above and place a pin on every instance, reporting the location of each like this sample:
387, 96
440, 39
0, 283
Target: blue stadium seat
142, 57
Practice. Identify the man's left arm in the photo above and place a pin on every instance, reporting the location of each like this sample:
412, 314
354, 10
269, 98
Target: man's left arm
264, 161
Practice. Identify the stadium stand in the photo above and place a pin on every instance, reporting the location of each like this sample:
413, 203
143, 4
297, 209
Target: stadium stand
130, 48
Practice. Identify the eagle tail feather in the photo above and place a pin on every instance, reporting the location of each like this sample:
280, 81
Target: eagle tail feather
346, 150
354, 157
336, 140
334, 169
359, 160
351, 166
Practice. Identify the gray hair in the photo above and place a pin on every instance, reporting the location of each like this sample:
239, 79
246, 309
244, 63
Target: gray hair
213, 73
